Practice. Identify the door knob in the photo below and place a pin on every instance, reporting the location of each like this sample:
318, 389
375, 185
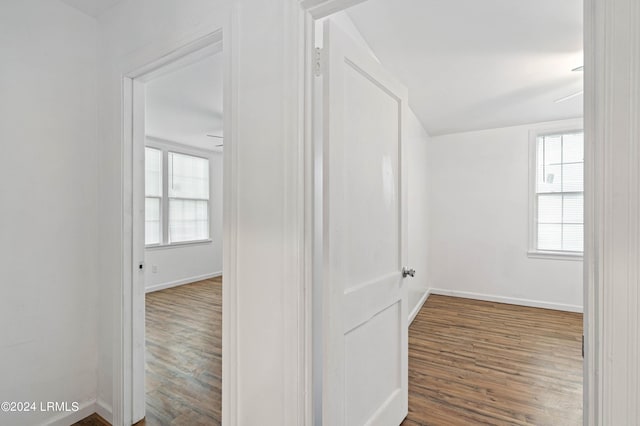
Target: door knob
408, 272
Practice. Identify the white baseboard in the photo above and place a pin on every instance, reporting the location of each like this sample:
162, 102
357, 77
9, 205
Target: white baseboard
104, 410
509, 300
189, 280
416, 309
86, 409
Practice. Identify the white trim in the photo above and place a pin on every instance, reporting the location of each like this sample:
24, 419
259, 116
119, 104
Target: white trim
85, 409
313, 243
159, 143
612, 72
128, 370
104, 410
123, 327
555, 255
319, 9
296, 387
560, 126
154, 247
508, 300
593, 206
197, 48
230, 297
414, 312
137, 301
208, 50
182, 281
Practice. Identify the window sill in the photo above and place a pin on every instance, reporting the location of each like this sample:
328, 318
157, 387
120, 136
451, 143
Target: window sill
178, 245
555, 255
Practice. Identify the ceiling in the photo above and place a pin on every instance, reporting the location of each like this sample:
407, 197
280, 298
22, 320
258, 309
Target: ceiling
91, 7
473, 64
185, 104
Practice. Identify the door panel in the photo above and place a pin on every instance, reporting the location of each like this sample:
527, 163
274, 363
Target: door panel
367, 168
364, 238
377, 336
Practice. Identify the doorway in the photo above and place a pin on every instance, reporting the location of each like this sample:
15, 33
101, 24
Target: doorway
178, 191
323, 70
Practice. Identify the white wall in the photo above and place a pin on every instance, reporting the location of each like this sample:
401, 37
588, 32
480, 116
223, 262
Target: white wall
478, 222
418, 202
169, 266
134, 32
48, 218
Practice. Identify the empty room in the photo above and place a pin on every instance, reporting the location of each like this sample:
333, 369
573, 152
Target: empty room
183, 143
319, 212
491, 157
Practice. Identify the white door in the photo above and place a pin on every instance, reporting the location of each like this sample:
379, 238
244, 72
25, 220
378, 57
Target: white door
364, 238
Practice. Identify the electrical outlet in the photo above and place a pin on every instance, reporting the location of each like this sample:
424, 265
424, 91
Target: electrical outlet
154, 269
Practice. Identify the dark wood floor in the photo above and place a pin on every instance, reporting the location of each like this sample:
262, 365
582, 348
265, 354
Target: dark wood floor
483, 363
92, 420
470, 362
184, 355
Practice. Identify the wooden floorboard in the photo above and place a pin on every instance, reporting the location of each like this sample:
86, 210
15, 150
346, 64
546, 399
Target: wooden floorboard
184, 355
484, 363
470, 362
92, 420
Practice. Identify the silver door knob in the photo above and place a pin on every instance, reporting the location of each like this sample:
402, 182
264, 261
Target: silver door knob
408, 272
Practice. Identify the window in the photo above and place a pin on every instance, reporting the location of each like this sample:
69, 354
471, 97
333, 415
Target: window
188, 198
176, 207
153, 196
558, 193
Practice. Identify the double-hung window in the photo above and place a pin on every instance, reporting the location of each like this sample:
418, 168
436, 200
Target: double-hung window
176, 207
153, 196
558, 194
188, 198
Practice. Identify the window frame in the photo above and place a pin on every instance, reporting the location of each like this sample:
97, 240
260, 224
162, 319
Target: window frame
569, 126
165, 147
160, 197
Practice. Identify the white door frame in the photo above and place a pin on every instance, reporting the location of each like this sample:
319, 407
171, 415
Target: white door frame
129, 398
594, 36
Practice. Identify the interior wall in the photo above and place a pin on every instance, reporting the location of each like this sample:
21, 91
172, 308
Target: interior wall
170, 266
135, 32
49, 170
418, 141
478, 222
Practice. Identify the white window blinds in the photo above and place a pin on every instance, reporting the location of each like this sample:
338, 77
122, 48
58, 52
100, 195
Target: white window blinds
559, 192
188, 190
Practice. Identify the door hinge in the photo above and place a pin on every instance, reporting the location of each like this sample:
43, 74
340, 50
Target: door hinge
317, 61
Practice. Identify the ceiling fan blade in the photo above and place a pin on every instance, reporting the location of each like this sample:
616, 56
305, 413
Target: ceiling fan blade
571, 96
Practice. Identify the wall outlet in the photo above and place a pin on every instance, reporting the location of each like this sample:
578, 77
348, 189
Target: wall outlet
154, 268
